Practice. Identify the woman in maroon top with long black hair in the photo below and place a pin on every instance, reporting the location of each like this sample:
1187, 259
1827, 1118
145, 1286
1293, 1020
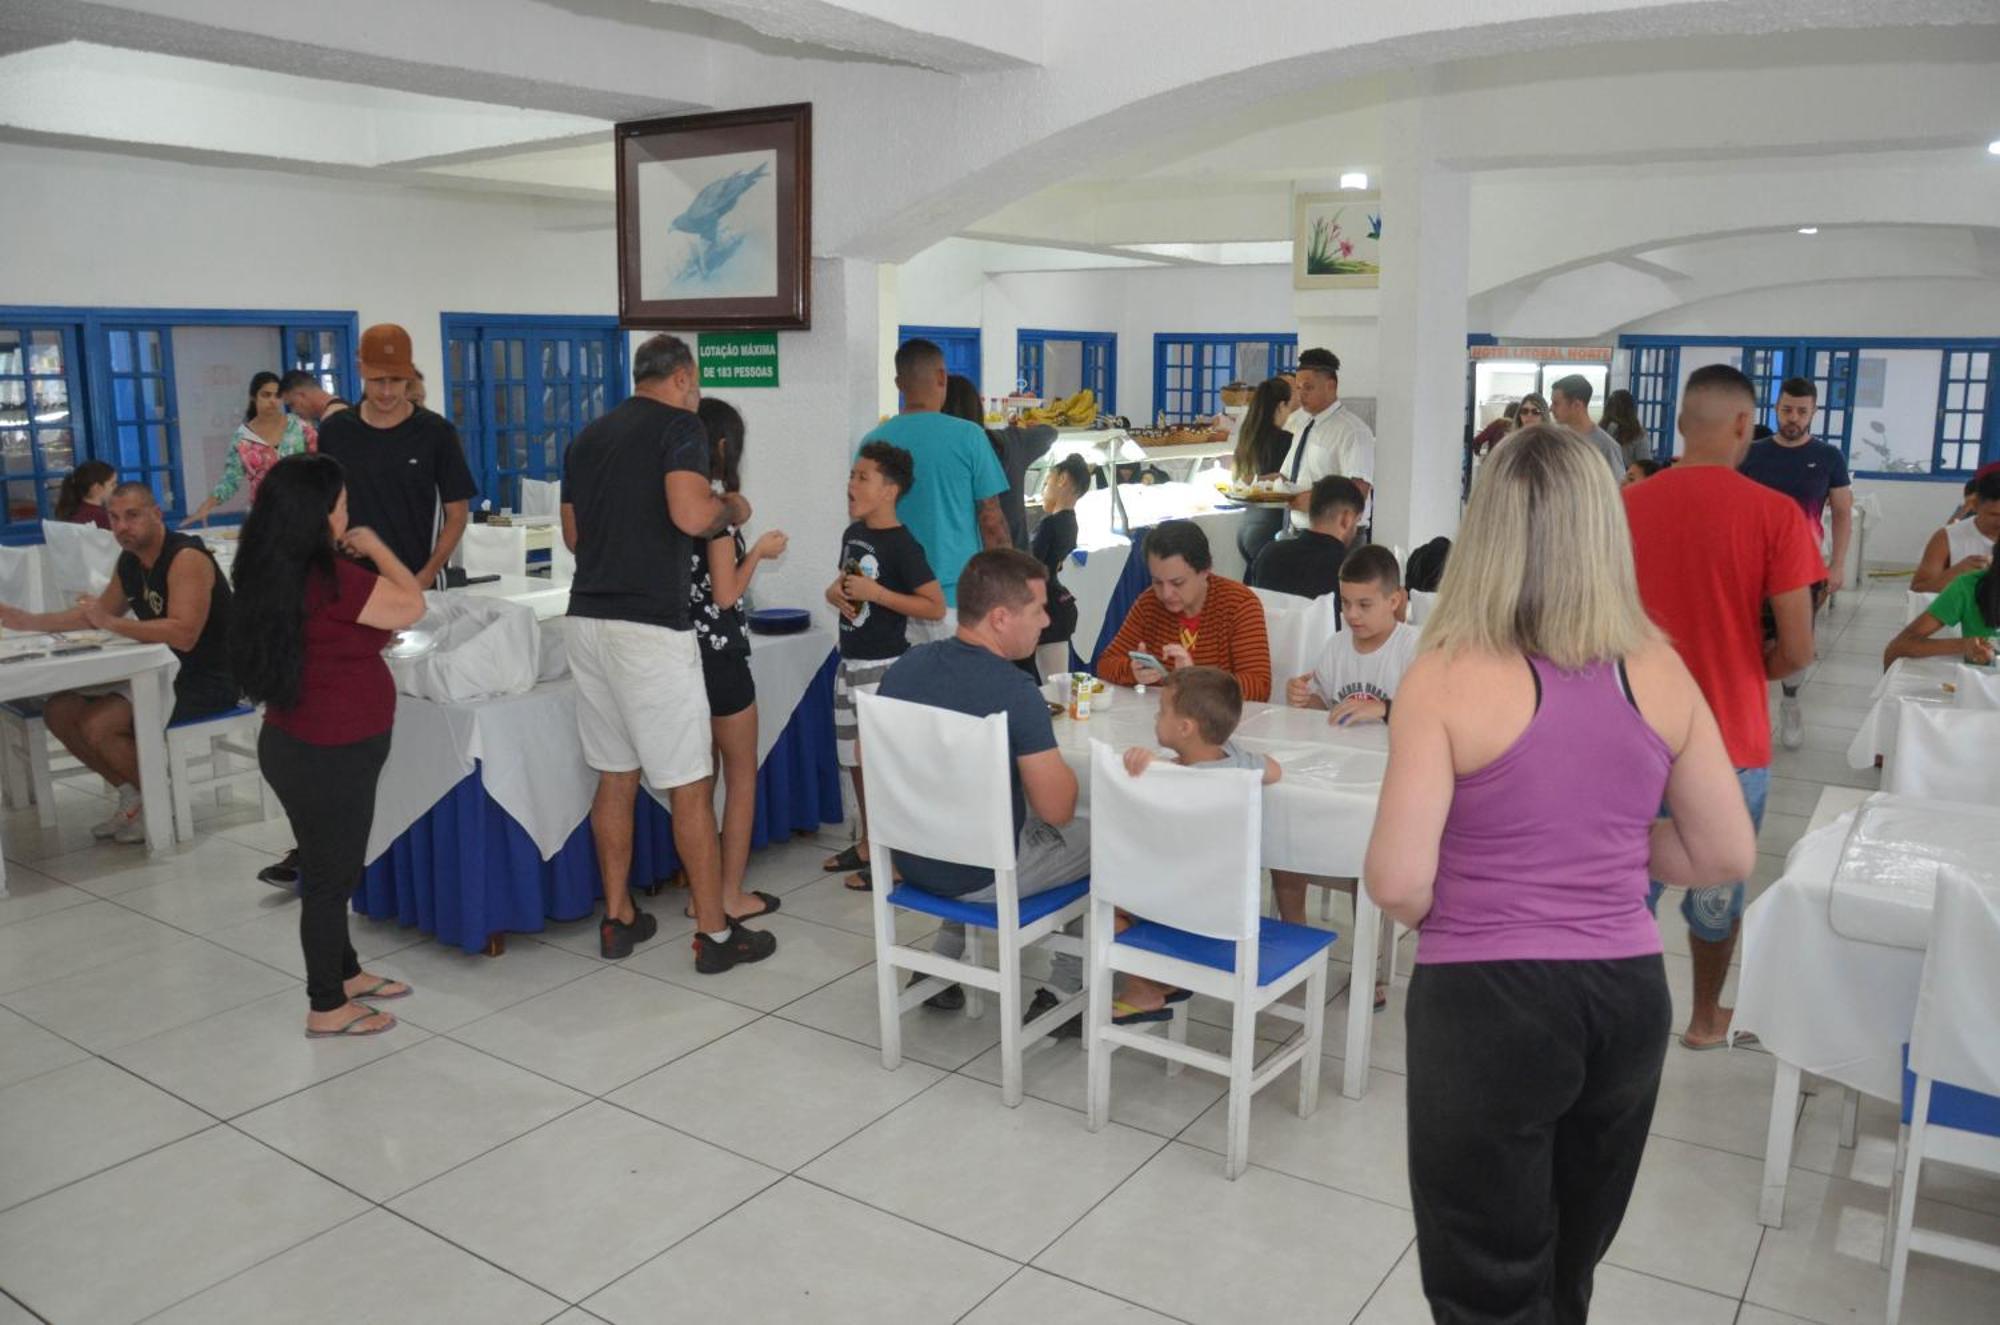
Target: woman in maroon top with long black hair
307, 644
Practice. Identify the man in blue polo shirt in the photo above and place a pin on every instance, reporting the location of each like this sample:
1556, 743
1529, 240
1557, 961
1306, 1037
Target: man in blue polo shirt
1813, 473
953, 508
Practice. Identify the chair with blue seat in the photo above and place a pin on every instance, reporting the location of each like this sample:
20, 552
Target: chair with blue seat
1179, 849
201, 758
1951, 1077
939, 784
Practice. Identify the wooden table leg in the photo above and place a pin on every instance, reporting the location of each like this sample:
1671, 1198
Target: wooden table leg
496, 943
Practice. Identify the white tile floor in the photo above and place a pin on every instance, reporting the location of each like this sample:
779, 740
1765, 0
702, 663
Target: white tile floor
548, 1137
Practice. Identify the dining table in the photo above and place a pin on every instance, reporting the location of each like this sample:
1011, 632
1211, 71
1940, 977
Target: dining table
37, 664
1317, 816
1833, 952
1909, 680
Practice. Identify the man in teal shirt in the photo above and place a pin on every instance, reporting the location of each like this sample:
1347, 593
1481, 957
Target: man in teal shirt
953, 507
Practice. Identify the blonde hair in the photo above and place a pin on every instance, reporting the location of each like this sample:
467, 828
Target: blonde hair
1543, 564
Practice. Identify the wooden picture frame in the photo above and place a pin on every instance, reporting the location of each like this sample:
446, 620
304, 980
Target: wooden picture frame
715, 220
1336, 241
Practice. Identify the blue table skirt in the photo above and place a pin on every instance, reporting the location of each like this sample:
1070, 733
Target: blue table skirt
467, 870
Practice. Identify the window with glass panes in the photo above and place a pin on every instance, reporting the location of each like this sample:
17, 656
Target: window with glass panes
40, 413
145, 434
1097, 363
1655, 373
1190, 370
1767, 367
1963, 392
519, 388
1831, 371
319, 351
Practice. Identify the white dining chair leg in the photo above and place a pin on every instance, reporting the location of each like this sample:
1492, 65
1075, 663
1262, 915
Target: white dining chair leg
41, 781
1177, 1030
975, 953
1010, 1019
1097, 1073
1315, 1034
1850, 1116
1906, 1207
1895, 1192
887, 995
1242, 1059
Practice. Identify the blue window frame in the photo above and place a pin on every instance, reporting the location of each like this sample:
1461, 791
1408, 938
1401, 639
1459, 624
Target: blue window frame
113, 396
1099, 361
1967, 432
41, 394
1965, 425
1656, 375
1190, 369
520, 387
960, 346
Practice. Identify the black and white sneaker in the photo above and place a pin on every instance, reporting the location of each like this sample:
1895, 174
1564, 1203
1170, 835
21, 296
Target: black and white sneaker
742, 945
949, 999
1045, 1001
616, 939
284, 874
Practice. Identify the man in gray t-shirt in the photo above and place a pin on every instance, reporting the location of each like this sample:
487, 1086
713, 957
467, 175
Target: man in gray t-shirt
1569, 401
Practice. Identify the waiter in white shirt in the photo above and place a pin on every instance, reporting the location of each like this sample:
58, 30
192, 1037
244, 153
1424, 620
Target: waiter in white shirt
1326, 439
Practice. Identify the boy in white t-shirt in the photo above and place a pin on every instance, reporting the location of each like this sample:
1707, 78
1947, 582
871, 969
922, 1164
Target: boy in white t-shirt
1356, 681
1357, 677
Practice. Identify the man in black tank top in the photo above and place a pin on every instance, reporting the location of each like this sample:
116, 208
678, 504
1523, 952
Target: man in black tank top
176, 596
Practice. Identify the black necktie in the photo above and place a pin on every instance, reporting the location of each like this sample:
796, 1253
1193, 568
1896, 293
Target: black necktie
1299, 456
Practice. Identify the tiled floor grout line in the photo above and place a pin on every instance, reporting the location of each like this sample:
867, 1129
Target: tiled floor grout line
337, 1224
30, 1311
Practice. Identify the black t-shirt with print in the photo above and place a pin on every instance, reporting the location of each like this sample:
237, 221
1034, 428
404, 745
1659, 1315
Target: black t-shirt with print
398, 477
631, 558
720, 629
895, 559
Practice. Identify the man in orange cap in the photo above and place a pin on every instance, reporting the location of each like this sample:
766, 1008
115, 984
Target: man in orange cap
402, 462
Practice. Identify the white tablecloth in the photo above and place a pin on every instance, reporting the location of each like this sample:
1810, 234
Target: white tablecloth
1920, 680
1317, 817
545, 598
528, 752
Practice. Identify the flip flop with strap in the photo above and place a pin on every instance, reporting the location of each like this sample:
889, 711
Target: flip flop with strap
380, 990
770, 900
347, 1030
1124, 1014
844, 861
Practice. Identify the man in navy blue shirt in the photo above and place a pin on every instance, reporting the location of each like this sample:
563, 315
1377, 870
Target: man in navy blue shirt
1002, 609
1812, 473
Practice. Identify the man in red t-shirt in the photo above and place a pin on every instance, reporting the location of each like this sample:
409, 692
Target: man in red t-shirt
1712, 547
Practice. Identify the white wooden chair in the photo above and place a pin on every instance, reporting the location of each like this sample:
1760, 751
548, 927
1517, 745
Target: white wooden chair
202, 757
540, 496
1951, 1081
31, 763
562, 561
489, 549
939, 784
80, 560
21, 578
1179, 849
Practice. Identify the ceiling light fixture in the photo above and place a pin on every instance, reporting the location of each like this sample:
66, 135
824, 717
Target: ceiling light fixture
1808, 229
1993, 148
1356, 179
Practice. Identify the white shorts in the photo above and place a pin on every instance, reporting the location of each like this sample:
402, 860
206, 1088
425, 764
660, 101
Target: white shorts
641, 701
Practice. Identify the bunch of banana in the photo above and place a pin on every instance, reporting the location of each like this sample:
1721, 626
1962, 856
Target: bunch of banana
1077, 411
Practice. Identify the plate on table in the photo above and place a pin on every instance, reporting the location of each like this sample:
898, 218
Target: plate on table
410, 644
1261, 494
780, 620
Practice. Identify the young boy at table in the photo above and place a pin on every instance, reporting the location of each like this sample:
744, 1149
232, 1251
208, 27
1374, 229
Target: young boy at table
1199, 710
884, 581
1356, 680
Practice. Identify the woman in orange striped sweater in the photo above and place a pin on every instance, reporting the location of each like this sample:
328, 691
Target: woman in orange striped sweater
1192, 617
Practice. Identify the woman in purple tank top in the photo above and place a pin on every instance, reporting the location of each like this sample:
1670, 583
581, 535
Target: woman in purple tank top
1530, 747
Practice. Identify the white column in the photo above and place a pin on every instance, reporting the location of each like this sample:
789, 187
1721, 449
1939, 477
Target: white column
1420, 411
798, 437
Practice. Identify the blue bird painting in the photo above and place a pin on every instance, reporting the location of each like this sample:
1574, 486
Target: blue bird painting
704, 220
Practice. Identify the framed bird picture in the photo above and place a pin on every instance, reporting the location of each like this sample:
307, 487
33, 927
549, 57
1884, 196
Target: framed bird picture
715, 220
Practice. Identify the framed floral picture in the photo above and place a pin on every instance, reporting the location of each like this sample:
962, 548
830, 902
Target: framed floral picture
1336, 241
715, 220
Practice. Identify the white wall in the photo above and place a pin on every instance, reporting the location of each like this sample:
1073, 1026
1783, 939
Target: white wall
947, 285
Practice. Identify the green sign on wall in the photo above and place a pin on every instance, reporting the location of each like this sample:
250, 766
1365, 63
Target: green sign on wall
737, 359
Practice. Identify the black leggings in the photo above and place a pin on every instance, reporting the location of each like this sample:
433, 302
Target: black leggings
328, 792
1531, 1088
